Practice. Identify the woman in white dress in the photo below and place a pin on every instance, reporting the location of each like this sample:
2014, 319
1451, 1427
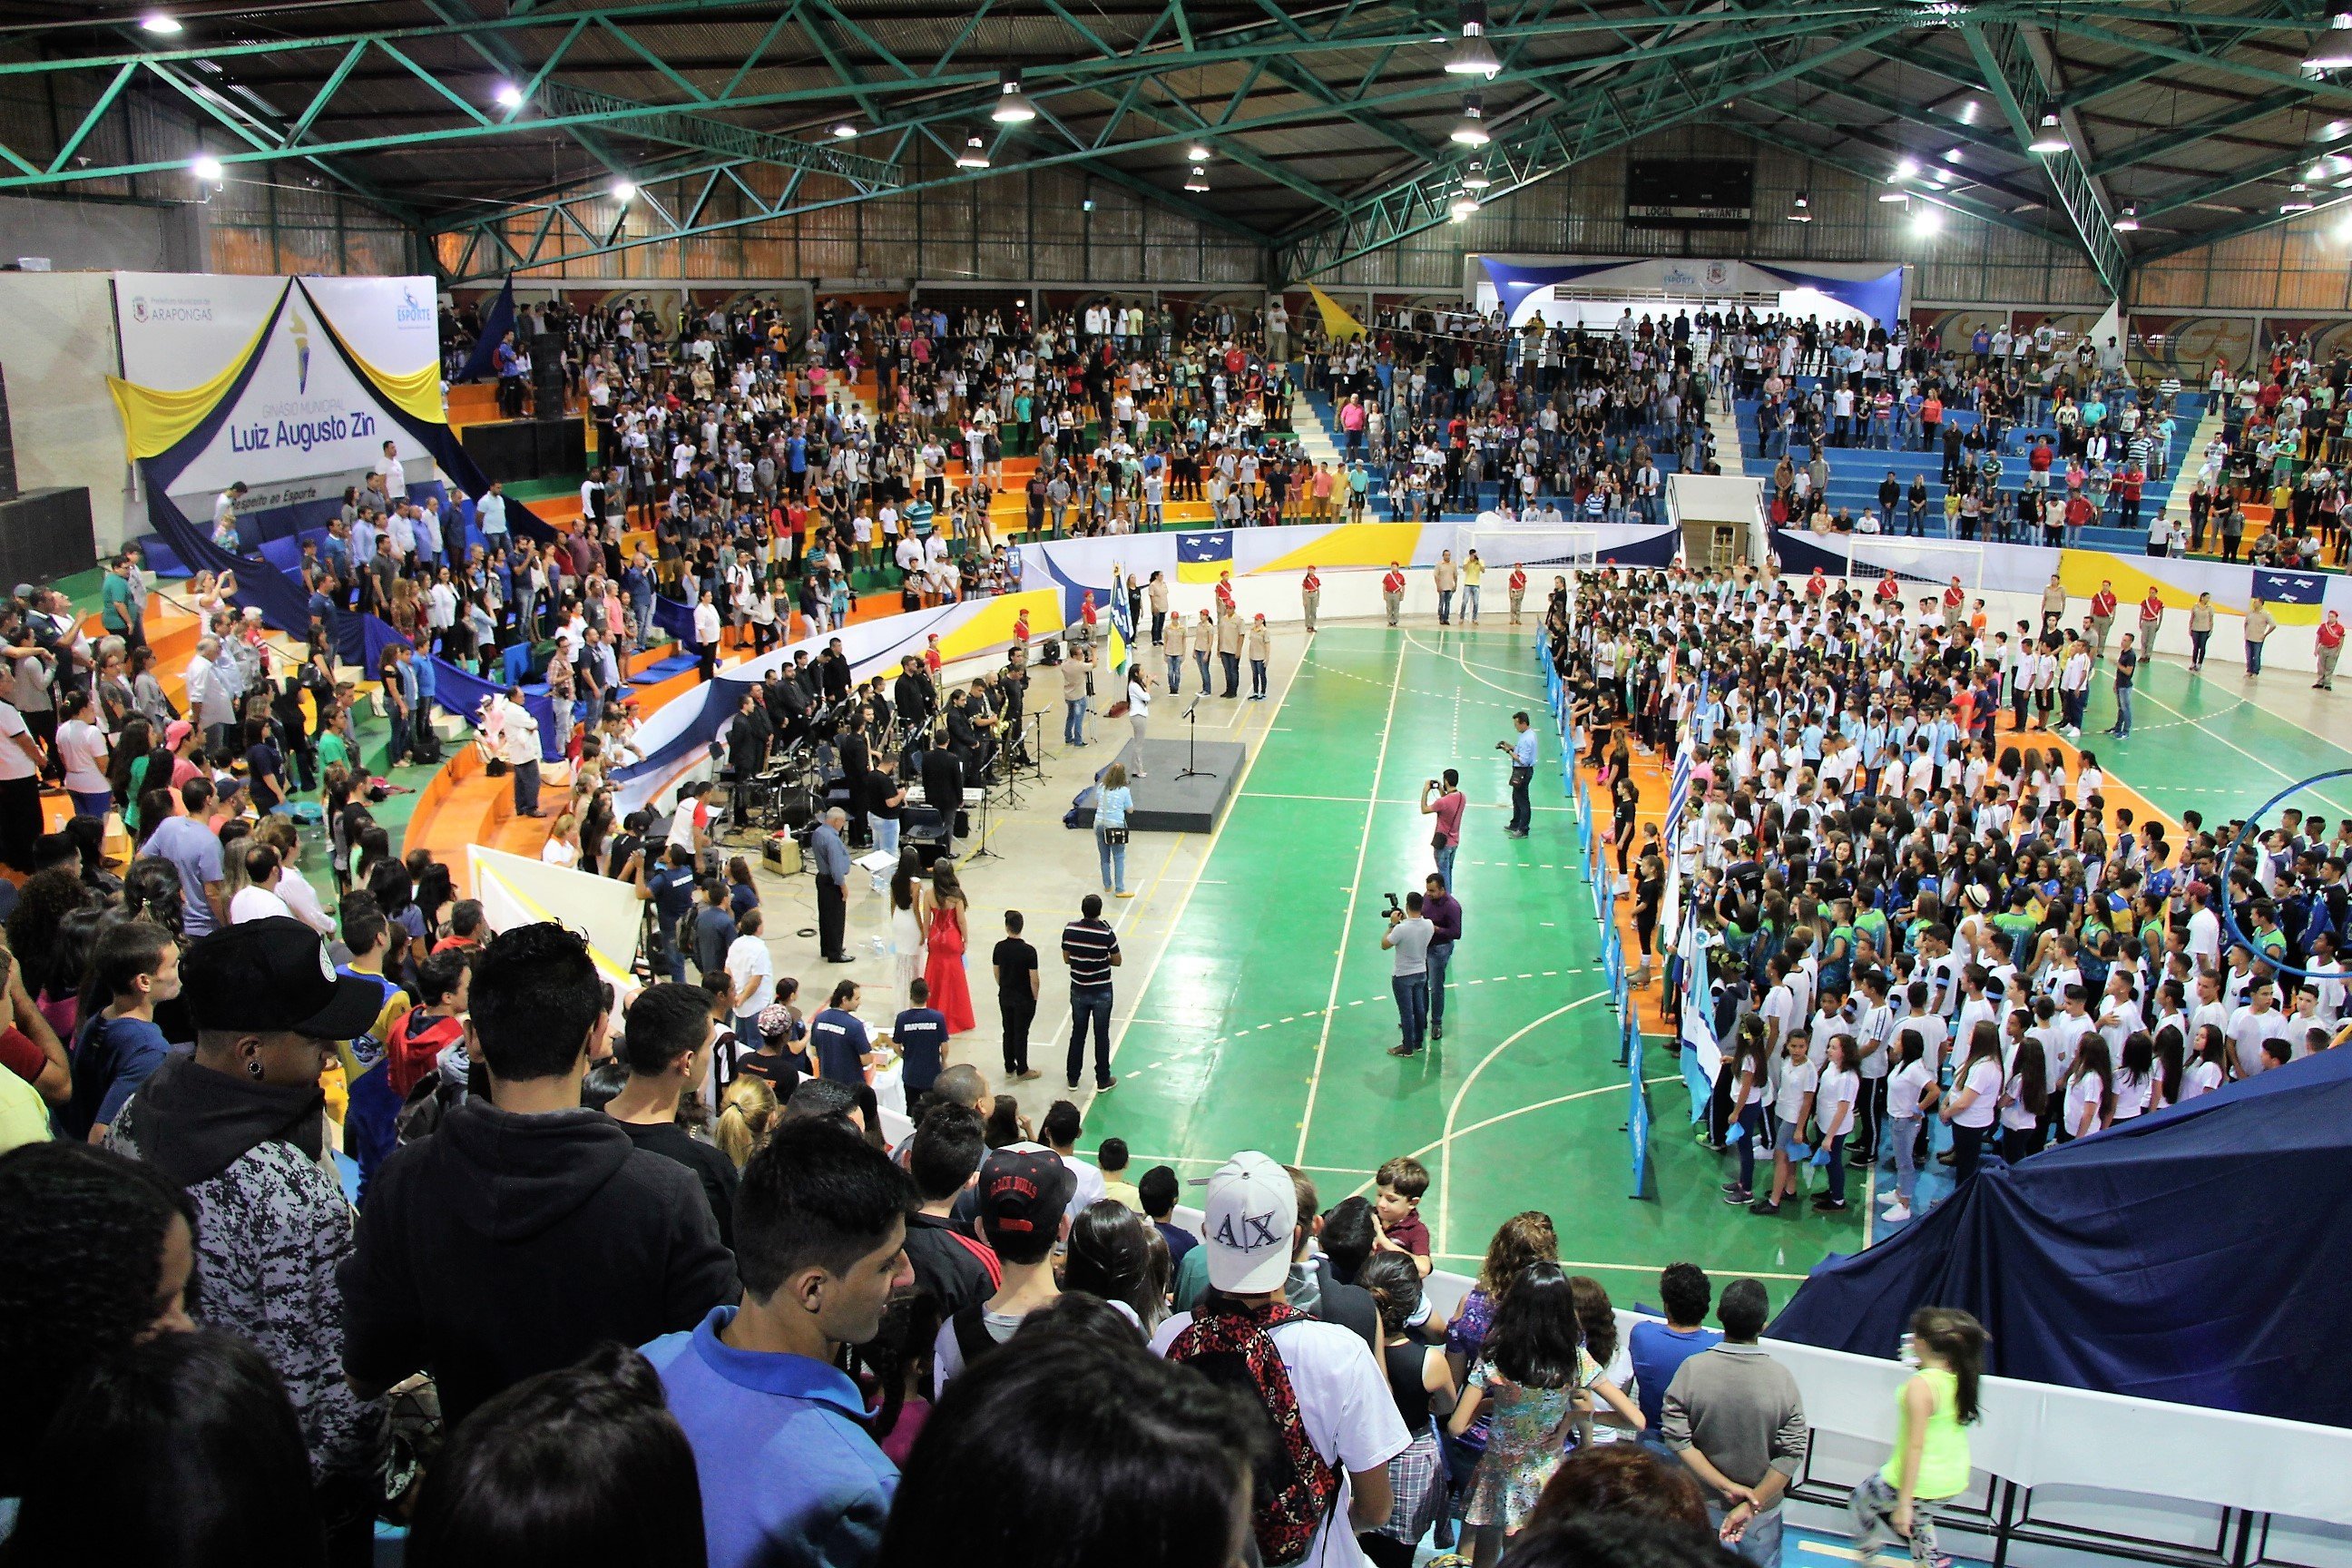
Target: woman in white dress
910, 919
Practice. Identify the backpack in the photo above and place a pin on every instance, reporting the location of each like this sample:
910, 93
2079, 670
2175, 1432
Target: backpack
1227, 1342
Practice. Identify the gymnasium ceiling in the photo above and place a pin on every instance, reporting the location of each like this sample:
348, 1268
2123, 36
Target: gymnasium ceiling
1327, 125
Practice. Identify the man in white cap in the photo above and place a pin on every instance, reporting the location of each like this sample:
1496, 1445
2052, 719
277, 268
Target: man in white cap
1327, 1398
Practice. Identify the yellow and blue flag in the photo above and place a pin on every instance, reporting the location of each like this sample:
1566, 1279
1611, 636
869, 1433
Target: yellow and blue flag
2293, 598
1203, 555
1122, 623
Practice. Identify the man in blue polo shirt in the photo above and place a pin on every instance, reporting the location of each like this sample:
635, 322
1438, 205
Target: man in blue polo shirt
791, 1475
920, 1033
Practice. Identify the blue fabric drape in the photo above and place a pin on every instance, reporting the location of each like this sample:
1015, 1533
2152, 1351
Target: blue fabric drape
497, 322
2195, 1256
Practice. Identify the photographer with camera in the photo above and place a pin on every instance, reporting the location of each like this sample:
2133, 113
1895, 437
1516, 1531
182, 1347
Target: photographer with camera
1408, 936
1445, 802
1523, 769
1444, 912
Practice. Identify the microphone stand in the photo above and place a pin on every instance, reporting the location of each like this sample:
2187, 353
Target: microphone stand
1191, 746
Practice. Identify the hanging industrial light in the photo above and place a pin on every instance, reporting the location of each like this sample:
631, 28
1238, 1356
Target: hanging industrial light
1198, 152
975, 154
1474, 178
2129, 222
1013, 105
1198, 180
843, 130
623, 190
1474, 56
208, 168
1463, 206
1472, 131
2050, 136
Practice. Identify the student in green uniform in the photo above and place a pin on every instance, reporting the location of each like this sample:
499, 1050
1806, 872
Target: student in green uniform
1930, 1462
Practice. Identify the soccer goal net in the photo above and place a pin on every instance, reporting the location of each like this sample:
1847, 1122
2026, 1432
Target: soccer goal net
1927, 562
1502, 547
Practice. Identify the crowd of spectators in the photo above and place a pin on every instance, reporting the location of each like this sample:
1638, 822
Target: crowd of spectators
1933, 932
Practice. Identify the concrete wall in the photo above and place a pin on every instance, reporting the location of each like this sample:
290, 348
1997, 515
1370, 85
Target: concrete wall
102, 235
57, 347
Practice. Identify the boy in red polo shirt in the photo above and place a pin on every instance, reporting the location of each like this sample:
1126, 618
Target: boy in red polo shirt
1400, 1185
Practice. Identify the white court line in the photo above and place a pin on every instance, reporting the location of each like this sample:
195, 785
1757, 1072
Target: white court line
1583, 1267
1522, 1111
1208, 852
1359, 800
1348, 921
2199, 726
1445, 1152
1505, 690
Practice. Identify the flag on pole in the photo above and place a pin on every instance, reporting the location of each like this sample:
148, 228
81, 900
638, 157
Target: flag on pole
1704, 1056
1122, 623
1678, 792
1337, 325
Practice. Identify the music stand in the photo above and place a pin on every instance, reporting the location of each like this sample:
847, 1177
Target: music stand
1191, 746
979, 849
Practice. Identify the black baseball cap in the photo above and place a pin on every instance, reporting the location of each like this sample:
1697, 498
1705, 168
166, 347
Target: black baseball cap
1024, 1191
271, 974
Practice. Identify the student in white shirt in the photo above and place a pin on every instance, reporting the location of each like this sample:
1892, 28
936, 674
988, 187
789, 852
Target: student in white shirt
2090, 1103
1344, 1404
1792, 1104
1974, 1101
2253, 1024
2209, 1069
2024, 1094
1834, 1106
1911, 1093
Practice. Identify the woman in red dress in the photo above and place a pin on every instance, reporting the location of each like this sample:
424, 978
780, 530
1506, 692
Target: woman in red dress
943, 969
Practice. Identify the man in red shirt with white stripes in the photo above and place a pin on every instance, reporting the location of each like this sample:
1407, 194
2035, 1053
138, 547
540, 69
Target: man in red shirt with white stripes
1392, 591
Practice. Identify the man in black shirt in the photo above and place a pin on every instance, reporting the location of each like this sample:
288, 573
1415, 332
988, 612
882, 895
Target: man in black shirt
527, 1230
667, 1049
1015, 961
951, 1266
836, 672
942, 774
918, 702
747, 750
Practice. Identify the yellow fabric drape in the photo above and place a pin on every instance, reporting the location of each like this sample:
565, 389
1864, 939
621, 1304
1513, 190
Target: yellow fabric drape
155, 420
1337, 325
417, 394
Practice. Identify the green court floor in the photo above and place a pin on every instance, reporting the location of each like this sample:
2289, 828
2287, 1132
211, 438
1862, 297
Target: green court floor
1266, 1022
2197, 745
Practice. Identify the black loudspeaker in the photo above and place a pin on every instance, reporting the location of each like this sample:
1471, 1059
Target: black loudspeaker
527, 449
547, 377
47, 534
505, 449
561, 446
7, 447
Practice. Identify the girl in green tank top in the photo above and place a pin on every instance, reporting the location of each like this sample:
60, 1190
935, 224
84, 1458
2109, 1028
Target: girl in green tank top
1930, 1462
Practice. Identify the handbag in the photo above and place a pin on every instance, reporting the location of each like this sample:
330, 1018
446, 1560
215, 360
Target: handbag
1114, 835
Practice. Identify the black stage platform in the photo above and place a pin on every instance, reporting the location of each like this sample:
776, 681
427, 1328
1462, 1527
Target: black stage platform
1166, 804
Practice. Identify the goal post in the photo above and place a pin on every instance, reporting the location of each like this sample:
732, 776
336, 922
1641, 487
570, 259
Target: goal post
1925, 561
1501, 546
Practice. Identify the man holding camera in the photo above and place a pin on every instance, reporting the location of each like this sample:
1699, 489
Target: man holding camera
1444, 915
1523, 769
1408, 936
1445, 802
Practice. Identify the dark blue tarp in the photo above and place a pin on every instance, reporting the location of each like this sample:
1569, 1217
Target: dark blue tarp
498, 320
2197, 1255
